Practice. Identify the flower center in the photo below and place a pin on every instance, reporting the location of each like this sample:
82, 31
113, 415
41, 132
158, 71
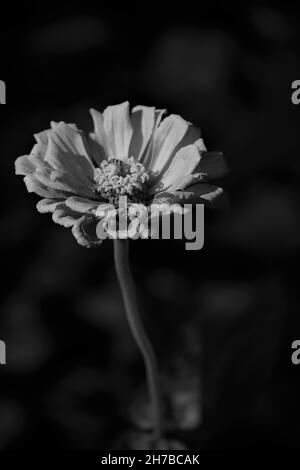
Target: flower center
115, 178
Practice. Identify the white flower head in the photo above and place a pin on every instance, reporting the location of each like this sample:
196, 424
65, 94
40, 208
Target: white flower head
149, 158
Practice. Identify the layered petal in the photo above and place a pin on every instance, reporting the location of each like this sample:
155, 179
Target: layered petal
201, 193
58, 164
37, 154
83, 226
24, 166
192, 136
82, 205
33, 185
64, 216
118, 129
166, 140
48, 205
84, 231
212, 164
60, 181
67, 151
100, 143
143, 120
147, 156
181, 167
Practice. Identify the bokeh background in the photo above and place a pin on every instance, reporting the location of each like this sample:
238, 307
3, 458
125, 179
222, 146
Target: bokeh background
222, 320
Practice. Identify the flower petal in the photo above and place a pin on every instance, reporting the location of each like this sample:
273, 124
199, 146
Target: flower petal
192, 136
33, 185
158, 115
67, 150
63, 215
81, 205
210, 195
166, 139
62, 181
84, 230
23, 166
103, 209
201, 145
182, 183
55, 162
37, 155
143, 120
101, 147
182, 166
213, 164
48, 205
118, 128
68, 170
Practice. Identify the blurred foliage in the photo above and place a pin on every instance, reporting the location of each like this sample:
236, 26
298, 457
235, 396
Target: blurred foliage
222, 320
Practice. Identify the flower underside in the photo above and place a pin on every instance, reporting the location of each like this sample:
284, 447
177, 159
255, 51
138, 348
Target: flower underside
115, 178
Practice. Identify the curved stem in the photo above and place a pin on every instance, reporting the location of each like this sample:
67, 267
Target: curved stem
121, 249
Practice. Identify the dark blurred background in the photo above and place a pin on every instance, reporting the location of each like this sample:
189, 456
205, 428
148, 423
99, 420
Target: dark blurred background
222, 319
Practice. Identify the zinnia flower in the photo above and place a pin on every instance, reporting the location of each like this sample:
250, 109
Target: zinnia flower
140, 155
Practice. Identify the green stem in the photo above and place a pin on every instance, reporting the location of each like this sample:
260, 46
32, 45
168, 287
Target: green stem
121, 249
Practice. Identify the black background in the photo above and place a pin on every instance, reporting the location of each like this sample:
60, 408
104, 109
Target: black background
222, 320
